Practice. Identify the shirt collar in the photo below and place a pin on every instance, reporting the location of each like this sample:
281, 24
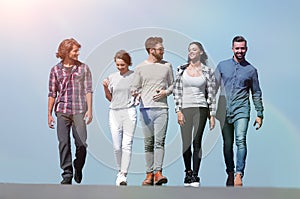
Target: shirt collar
205, 68
60, 66
242, 63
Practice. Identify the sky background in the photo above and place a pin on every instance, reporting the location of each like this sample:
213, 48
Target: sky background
32, 30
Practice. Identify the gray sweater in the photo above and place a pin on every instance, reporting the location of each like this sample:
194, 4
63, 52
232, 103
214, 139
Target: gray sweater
148, 78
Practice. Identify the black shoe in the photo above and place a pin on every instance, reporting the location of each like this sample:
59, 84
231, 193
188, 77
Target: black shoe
188, 178
195, 181
230, 179
66, 180
78, 175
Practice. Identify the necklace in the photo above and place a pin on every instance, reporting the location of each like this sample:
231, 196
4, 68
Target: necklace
194, 70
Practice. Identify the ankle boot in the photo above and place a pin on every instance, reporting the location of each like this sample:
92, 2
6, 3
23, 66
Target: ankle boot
148, 180
159, 179
230, 179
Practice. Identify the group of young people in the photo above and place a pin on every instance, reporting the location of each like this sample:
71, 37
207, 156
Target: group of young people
194, 90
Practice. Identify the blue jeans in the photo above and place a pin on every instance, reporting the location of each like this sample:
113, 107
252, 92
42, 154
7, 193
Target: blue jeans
239, 130
154, 123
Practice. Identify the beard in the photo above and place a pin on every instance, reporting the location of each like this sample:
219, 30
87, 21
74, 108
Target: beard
240, 56
157, 56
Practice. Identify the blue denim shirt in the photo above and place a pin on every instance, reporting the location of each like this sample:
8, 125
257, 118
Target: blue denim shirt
236, 80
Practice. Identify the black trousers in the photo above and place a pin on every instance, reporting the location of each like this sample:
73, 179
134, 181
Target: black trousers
191, 134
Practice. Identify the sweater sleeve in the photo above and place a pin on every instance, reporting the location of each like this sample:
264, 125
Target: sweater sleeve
170, 80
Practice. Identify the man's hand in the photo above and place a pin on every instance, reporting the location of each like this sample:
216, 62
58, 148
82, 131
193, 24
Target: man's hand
51, 122
134, 93
259, 122
88, 117
159, 95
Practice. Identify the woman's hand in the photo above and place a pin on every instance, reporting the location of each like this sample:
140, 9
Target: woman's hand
212, 123
105, 82
180, 117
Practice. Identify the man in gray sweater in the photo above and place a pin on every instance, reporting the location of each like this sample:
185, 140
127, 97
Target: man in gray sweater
153, 81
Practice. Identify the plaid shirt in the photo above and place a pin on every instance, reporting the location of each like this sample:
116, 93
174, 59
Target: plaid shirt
210, 88
69, 86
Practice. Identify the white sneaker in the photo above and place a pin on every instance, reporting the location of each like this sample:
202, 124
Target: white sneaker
121, 179
195, 181
195, 184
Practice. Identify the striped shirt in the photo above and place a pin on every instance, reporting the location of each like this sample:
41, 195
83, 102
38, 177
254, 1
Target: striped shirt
69, 86
210, 88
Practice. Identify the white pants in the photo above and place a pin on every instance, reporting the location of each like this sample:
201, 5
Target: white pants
122, 124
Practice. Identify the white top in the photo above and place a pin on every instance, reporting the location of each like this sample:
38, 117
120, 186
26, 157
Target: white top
193, 91
119, 86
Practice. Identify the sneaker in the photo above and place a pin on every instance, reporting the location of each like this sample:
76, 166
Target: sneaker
188, 178
121, 179
195, 182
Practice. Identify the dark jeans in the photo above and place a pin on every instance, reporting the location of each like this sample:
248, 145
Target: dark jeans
64, 124
192, 132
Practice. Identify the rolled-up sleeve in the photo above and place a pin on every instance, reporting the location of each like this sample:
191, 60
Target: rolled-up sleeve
53, 87
88, 82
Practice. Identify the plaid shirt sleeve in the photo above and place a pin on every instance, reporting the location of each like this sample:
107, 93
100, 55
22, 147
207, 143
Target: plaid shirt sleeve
178, 89
53, 87
211, 90
88, 80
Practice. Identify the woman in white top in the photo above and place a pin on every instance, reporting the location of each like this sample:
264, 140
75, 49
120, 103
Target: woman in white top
194, 96
122, 114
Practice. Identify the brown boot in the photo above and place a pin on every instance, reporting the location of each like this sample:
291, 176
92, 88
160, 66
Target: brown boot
159, 179
149, 180
238, 180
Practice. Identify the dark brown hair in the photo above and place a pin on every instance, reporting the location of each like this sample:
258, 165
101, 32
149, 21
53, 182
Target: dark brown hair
203, 57
239, 39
